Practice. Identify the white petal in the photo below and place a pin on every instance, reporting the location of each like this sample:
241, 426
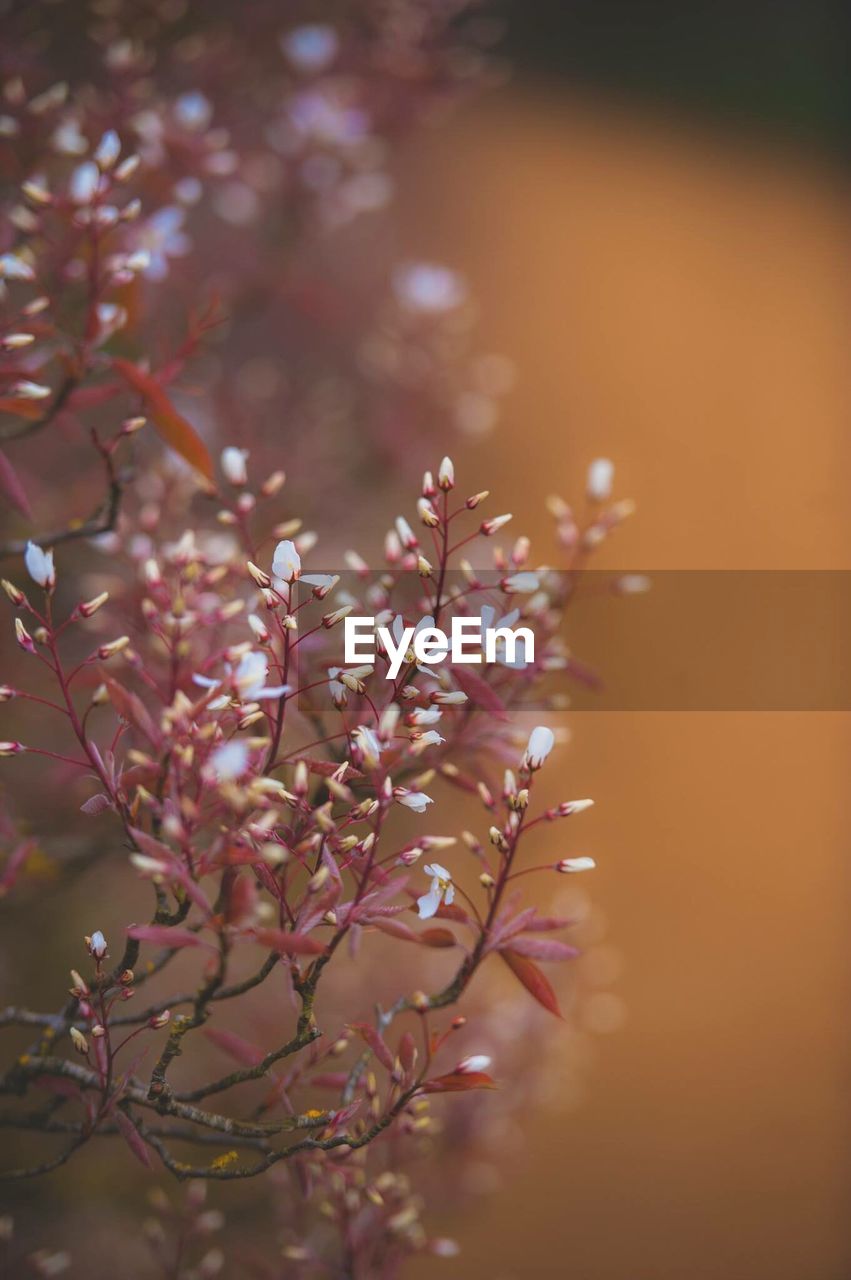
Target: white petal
428, 904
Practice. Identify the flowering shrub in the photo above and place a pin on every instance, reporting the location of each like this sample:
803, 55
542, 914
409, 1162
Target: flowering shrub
276, 806
272, 887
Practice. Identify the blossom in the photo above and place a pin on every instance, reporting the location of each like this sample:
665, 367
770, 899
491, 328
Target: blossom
442, 890
97, 945
541, 741
569, 866
286, 562
521, 583
108, 150
446, 474
84, 182
416, 800
475, 1062
598, 484
370, 747
233, 465
40, 566
249, 677
230, 760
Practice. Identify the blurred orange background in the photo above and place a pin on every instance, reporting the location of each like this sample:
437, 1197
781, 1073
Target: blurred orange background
675, 299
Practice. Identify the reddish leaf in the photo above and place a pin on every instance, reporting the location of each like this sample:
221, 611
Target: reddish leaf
437, 938
176, 430
459, 1082
96, 804
21, 407
451, 911
132, 709
161, 935
407, 1051
527, 972
241, 1050
479, 692
373, 1038
543, 948
10, 484
133, 1138
395, 928
288, 944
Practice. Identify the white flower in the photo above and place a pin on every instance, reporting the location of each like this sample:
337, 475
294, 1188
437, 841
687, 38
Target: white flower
230, 760
27, 390
442, 890
569, 866
84, 182
40, 566
249, 677
446, 474
12, 268
108, 149
521, 583
370, 747
286, 562
97, 945
416, 800
233, 465
476, 1062
426, 715
598, 484
540, 745
431, 738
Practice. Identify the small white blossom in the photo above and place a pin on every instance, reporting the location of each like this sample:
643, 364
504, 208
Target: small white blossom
40, 566
475, 1063
249, 677
108, 150
97, 945
233, 465
370, 747
442, 890
230, 760
286, 562
521, 583
569, 866
416, 800
598, 484
541, 741
446, 474
84, 182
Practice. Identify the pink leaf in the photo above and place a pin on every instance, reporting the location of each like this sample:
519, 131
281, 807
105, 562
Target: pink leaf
133, 1138
535, 982
288, 944
10, 484
373, 1038
96, 804
459, 1082
241, 1050
543, 949
161, 935
480, 692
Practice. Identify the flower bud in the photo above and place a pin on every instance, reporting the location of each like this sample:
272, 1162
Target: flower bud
446, 475
97, 945
160, 1019
90, 607
79, 1041
570, 866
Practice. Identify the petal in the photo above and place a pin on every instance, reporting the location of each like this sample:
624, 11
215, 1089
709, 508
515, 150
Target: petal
427, 905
